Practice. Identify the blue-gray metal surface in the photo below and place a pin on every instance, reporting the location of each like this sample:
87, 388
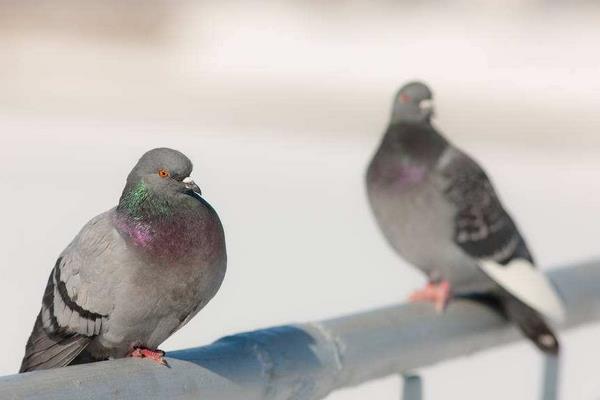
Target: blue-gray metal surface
308, 361
412, 388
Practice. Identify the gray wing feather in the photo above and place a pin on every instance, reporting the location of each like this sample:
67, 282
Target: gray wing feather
483, 229
70, 316
45, 350
52, 343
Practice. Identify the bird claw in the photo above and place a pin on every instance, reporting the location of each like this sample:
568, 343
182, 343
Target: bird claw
158, 356
437, 293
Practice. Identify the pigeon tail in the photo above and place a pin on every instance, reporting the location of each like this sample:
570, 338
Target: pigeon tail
532, 324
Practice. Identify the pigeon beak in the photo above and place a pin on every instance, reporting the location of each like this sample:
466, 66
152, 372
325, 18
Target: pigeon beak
191, 186
426, 106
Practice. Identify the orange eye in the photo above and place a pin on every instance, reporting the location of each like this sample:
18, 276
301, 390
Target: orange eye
405, 98
163, 173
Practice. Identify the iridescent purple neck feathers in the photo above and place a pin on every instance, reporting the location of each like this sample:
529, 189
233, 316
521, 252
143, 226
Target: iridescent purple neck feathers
170, 239
397, 176
406, 155
160, 225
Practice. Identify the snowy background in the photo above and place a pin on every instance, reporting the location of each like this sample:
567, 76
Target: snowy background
280, 107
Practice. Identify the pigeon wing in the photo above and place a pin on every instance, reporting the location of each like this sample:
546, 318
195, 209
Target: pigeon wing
484, 230
72, 313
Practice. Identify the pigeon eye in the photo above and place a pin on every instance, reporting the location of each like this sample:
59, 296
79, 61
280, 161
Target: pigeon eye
405, 98
163, 173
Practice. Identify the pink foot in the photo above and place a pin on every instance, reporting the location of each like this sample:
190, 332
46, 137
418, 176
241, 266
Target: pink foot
437, 293
155, 355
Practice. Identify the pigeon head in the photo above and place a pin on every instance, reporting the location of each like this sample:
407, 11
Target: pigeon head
413, 103
158, 182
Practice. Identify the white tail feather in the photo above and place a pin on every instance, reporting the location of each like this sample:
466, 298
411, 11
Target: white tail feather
528, 284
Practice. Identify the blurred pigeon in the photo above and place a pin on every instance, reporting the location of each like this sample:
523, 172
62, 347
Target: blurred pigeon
438, 210
135, 274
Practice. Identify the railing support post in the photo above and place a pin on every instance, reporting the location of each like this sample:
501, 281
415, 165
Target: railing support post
413, 387
551, 378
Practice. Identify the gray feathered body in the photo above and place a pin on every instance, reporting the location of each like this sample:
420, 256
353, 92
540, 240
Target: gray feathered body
418, 223
407, 190
437, 208
128, 280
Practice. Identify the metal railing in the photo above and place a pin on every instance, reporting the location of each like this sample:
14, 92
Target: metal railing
309, 361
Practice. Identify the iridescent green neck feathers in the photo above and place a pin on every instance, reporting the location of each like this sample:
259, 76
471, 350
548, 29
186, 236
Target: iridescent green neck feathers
139, 202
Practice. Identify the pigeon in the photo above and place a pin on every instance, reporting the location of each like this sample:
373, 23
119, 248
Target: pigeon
134, 274
438, 209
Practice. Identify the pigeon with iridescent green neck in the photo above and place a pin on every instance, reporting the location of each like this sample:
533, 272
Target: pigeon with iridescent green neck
438, 209
135, 274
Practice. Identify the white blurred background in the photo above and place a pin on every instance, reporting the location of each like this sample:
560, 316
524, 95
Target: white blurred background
280, 106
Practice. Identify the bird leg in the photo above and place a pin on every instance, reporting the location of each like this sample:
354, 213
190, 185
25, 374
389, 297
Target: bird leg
438, 293
155, 355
